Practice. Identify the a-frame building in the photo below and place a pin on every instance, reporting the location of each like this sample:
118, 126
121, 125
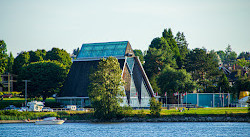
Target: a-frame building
137, 88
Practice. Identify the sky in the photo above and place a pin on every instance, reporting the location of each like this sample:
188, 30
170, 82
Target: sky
67, 24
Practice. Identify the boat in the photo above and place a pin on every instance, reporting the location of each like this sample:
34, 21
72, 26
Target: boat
50, 121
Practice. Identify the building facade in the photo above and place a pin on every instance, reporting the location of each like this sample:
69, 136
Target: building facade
137, 87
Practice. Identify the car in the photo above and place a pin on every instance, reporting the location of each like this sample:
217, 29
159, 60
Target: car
47, 109
23, 109
11, 107
7, 95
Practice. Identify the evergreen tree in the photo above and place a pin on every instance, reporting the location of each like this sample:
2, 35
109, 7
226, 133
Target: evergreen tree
183, 47
139, 54
230, 57
203, 68
76, 51
106, 88
169, 37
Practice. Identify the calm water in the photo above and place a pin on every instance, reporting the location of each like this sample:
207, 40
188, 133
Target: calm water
128, 129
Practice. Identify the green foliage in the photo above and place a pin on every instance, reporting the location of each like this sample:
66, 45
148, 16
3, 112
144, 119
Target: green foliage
243, 63
3, 57
105, 88
183, 48
139, 54
158, 56
165, 51
203, 68
155, 107
10, 63
230, 56
35, 56
245, 55
76, 51
172, 80
46, 78
222, 55
59, 55
223, 83
22, 59
241, 84
168, 36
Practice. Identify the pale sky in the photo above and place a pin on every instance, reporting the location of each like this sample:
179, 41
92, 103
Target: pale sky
67, 24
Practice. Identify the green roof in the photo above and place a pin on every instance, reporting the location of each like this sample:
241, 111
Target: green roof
93, 50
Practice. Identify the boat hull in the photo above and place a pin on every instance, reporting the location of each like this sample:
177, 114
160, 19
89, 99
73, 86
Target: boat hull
52, 122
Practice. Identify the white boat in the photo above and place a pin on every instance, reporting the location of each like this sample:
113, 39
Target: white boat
50, 121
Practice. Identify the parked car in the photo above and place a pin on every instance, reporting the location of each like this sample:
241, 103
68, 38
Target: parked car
23, 109
11, 107
47, 109
7, 95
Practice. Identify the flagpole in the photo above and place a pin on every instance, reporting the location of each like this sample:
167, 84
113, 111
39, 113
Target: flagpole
186, 99
178, 98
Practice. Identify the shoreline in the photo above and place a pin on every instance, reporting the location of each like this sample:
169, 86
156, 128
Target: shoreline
161, 119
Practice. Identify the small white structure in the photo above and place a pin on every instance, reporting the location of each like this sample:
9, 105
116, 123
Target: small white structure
35, 106
71, 107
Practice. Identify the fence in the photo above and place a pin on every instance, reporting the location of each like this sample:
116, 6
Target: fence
179, 105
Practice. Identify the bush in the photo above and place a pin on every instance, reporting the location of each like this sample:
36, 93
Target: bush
155, 107
142, 113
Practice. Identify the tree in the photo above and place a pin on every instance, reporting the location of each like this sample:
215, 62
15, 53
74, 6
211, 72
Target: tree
245, 55
158, 56
230, 57
169, 37
203, 68
3, 57
76, 51
155, 107
222, 55
172, 80
243, 63
10, 63
46, 78
139, 54
183, 47
106, 88
223, 83
22, 59
36, 56
59, 55
241, 84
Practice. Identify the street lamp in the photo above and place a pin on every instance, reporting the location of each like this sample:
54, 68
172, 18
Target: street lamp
26, 81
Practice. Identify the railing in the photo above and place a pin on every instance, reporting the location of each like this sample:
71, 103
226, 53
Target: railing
68, 109
179, 105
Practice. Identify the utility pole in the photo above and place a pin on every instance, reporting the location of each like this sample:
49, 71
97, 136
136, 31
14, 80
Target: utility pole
26, 81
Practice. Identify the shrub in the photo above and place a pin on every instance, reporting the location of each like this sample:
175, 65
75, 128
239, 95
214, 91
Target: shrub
155, 107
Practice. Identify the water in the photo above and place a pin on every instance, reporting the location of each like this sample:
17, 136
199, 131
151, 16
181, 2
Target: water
164, 129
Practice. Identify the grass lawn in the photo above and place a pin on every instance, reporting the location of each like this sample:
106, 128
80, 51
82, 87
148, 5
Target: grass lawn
198, 111
51, 99
18, 102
